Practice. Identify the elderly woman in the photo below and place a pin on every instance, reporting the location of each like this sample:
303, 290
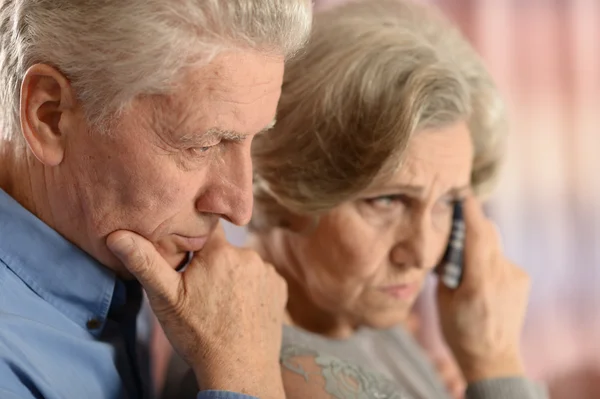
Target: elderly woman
387, 120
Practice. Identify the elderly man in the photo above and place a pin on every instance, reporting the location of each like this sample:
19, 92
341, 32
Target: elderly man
125, 135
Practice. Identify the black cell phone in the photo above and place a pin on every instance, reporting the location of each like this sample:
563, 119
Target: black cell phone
450, 269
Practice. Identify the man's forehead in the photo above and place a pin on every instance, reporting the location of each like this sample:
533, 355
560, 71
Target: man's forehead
236, 72
205, 102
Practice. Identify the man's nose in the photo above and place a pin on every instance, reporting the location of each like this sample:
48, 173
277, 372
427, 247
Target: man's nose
230, 192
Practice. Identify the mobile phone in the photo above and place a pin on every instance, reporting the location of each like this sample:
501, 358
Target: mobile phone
450, 269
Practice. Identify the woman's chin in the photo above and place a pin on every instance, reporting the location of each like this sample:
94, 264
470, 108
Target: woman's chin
388, 319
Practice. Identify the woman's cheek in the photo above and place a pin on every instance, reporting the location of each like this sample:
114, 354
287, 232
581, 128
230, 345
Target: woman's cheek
360, 248
363, 256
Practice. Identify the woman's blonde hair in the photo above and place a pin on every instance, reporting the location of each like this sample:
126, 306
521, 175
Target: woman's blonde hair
374, 72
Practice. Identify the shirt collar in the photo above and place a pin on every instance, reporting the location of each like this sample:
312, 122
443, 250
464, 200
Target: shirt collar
55, 269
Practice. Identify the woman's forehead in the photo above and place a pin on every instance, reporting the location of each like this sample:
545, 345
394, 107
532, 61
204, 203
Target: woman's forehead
442, 155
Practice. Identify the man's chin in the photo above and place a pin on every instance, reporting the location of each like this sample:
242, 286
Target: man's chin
175, 260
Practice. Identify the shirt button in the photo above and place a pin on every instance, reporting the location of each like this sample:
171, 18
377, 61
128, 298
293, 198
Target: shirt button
93, 324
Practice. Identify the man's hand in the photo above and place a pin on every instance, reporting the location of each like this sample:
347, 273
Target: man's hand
223, 314
482, 320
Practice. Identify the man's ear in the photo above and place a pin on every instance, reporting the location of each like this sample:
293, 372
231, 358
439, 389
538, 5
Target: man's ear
46, 97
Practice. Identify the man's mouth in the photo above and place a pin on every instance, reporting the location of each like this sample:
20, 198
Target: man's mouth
190, 244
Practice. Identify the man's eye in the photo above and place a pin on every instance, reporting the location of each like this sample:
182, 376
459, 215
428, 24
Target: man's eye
202, 150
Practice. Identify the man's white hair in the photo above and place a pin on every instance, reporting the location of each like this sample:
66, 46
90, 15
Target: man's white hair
114, 50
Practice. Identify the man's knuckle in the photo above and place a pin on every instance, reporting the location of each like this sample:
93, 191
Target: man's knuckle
276, 278
253, 262
251, 256
283, 287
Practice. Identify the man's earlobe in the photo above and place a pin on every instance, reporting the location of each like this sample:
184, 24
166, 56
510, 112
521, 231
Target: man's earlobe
46, 96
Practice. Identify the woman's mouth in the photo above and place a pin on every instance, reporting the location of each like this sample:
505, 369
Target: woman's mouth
403, 292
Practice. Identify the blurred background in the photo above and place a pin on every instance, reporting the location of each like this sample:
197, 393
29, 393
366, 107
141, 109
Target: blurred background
545, 57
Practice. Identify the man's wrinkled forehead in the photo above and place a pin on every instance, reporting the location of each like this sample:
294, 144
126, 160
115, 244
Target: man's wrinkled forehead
189, 123
236, 76
188, 105
238, 100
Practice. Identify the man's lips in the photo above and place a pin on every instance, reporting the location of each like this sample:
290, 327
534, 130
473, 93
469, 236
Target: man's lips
190, 244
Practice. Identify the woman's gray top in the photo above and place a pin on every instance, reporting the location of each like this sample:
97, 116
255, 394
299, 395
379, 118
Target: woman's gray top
390, 360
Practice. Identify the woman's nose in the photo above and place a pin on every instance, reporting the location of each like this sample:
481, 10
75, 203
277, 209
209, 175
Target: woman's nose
419, 245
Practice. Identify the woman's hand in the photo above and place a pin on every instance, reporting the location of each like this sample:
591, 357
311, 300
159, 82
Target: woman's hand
445, 365
451, 376
482, 319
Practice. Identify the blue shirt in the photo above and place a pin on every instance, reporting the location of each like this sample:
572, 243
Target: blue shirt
67, 324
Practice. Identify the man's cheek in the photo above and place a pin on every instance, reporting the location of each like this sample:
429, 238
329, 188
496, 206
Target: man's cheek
154, 198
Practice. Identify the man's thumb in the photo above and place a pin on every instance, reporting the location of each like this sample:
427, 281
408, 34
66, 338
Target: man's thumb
142, 260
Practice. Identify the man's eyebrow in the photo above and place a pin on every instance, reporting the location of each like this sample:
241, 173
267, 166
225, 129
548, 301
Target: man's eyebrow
218, 134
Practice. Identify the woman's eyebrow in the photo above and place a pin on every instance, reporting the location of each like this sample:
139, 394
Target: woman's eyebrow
412, 190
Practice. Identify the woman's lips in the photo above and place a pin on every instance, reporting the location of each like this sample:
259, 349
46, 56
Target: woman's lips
401, 291
190, 244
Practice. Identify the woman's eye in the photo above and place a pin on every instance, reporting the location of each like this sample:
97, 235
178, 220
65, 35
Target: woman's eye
387, 201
